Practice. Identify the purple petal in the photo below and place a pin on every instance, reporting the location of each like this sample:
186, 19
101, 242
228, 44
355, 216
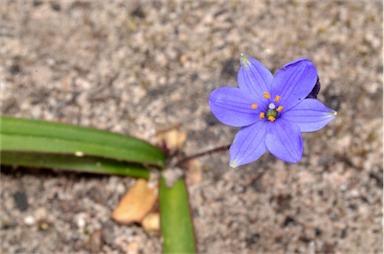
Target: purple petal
253, 77
249, 144
294, 82
233, 106
284, 141
309, 115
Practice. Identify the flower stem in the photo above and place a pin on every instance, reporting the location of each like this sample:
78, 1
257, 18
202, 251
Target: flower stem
208, 152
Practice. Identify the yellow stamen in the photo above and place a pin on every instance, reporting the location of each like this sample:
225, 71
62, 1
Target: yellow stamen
266, 95
253, 106
271, 118
262, 115
279, 109
277, 98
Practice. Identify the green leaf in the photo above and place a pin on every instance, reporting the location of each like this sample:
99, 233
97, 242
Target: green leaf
175, 218
24, 135
73, 163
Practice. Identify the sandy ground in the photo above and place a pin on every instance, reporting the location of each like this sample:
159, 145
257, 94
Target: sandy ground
138, 67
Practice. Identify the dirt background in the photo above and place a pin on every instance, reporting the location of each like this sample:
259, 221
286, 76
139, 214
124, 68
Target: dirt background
136, 67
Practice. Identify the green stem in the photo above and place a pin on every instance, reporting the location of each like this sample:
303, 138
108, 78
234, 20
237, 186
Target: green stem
208, 152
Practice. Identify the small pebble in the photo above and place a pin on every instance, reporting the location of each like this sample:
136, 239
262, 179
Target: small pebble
29, 220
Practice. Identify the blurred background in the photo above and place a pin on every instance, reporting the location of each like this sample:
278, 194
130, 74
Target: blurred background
137, 67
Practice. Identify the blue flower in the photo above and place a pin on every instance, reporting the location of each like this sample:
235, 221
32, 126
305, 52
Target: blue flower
272, 110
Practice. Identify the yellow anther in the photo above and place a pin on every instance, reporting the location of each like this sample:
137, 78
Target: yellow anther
277, 98
266, 95
279, 109
253, 106
271, 118
262, 115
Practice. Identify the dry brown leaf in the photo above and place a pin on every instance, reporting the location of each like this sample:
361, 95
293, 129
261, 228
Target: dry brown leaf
135, 204
173, 138
151, 223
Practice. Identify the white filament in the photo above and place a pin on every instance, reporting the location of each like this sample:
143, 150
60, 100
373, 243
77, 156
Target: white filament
271, 106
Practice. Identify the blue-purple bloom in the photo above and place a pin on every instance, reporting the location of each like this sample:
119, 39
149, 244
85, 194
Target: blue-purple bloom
272, 110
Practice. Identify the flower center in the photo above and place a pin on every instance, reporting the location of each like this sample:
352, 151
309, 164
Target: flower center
272, 112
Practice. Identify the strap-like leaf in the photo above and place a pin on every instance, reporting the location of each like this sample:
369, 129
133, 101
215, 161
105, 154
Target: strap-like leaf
73, 163
24, 135
175, 218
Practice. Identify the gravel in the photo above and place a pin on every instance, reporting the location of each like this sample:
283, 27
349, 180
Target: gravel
141, 66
